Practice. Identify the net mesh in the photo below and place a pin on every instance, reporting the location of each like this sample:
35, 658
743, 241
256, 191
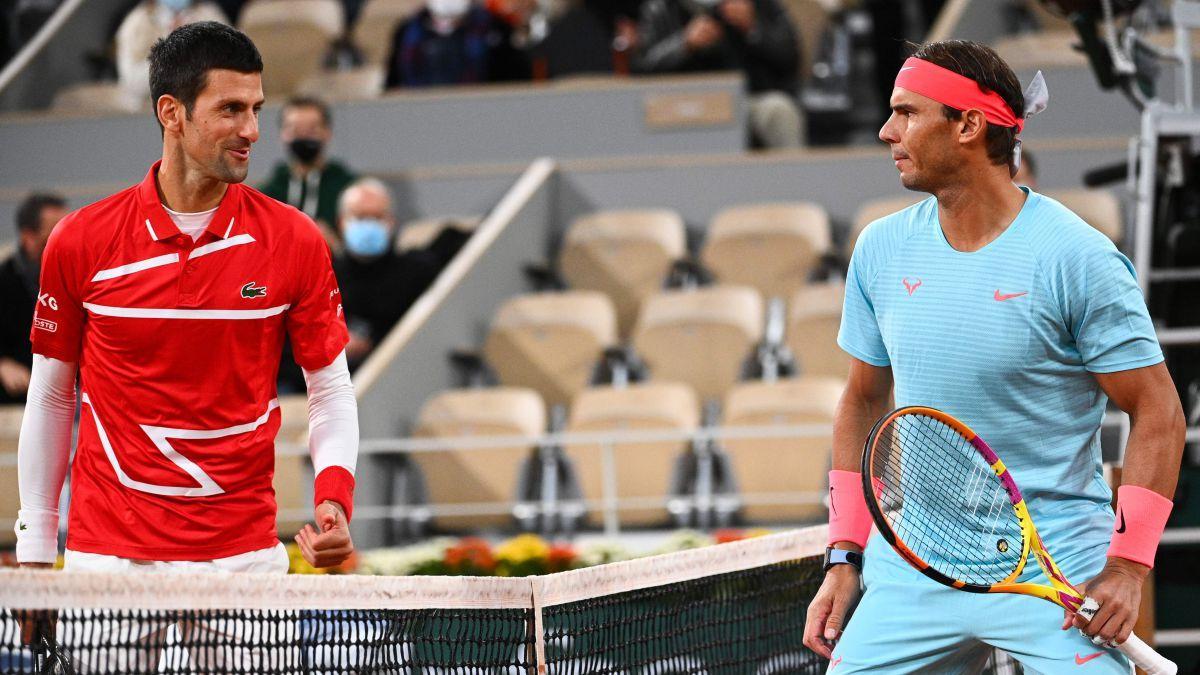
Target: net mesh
733, 608
943, 501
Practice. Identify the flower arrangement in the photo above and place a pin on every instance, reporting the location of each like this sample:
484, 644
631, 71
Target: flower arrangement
523, 555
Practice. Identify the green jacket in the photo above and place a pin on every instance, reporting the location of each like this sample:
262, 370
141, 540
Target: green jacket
334, 178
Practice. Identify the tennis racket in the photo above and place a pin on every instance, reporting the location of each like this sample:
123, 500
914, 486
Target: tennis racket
943, 499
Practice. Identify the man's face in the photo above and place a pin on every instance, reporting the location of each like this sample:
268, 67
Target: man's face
922, 140
33, 242
303, 122
366, 204
224, 124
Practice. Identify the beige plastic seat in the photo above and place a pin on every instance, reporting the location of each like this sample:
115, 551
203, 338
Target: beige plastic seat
10, 502
772, 247
482, 478
95, 97
814, 316
874, 209
791, 472
700, 337
551, 342
361, 84
292, 36
292, 479
642, 470
377, 23
1099, 208
809, 17
625, 254
421, 232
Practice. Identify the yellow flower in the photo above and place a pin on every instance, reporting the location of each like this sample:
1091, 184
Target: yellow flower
523, 548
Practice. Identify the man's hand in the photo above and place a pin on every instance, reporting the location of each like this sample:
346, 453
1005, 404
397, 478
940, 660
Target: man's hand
702, 32
332, 545
14, 377
739, 14
359, 347
1118, 589
35, 623
827, 613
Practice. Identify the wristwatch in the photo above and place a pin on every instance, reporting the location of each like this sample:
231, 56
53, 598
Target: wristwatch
837, 556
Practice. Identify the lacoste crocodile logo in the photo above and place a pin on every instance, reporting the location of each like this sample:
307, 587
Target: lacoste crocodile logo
252, 291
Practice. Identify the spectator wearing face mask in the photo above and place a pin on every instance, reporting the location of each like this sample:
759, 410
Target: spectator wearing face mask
36, 217
378, 285
454, 42
141, 28
753, 36
309, 180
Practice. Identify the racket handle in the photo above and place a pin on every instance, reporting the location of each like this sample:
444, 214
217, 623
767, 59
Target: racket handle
1142, 654
1144, 657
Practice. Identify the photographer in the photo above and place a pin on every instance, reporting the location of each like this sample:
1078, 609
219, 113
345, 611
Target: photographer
753, 36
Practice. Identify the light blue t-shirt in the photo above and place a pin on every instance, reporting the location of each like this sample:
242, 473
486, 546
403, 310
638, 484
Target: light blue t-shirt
1006, 339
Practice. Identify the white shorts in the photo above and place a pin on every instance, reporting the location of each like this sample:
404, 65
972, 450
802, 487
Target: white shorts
121, 640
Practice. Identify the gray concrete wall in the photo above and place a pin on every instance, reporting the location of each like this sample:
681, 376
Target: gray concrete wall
503, 124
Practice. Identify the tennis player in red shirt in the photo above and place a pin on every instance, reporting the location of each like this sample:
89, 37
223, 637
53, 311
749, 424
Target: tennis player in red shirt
169, 303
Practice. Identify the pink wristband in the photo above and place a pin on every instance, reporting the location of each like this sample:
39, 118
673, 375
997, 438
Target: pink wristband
1141, 518
335, 484
849, 519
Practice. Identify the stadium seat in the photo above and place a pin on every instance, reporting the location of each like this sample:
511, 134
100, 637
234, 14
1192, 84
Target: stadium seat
292, 36
483, 478
788, 471
701, 336
551, 342
421, 232
814, 316
377, 23
642, 470
873, 210
95, 97
360, 84
772, 247
625, 254
810, 18
1099, 208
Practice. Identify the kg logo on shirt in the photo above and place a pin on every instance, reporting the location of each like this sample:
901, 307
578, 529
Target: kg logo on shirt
252, 291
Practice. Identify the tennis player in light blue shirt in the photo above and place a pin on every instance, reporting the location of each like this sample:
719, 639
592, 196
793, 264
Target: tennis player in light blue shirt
1003, 308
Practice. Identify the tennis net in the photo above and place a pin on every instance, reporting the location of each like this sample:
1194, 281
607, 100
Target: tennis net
732, 608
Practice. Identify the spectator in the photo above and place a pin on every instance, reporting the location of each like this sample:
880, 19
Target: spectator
754, 36
591, 36
142, 27
378, 284
308, 179
1027, 172
453, 42
36, 217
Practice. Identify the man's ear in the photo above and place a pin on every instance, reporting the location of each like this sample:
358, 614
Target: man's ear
171, 113
974, 127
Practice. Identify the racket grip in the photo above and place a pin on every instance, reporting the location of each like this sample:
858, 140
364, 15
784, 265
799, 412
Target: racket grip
1144, 657
1142, 654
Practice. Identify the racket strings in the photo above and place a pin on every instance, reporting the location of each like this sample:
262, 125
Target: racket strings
944, 502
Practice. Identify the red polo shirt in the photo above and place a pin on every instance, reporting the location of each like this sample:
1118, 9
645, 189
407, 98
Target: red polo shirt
178, 344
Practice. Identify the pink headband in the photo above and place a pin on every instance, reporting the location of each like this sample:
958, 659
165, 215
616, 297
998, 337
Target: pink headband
958, 92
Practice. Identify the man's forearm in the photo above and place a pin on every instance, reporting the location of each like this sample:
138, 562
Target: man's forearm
43, 453
1155, 448
865, 399
855, 416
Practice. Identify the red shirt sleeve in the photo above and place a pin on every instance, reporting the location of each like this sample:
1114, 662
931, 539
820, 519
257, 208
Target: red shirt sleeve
59, 315
316, 323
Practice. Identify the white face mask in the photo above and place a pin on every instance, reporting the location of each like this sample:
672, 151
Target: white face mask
448, 9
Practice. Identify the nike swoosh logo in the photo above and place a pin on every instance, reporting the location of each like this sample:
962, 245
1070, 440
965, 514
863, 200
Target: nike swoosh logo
1080, 660
1121, 529
1001, 297
832, 504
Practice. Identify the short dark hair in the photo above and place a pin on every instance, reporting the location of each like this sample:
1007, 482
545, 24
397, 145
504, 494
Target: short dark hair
29, 213
980, 63
309, 102
179, 63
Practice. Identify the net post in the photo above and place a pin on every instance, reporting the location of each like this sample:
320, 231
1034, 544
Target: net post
539, 629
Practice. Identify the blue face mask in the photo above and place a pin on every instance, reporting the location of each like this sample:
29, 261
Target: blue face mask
367, 237
176, 6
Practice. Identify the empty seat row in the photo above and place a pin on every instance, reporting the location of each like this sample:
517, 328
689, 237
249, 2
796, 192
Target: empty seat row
778, 479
